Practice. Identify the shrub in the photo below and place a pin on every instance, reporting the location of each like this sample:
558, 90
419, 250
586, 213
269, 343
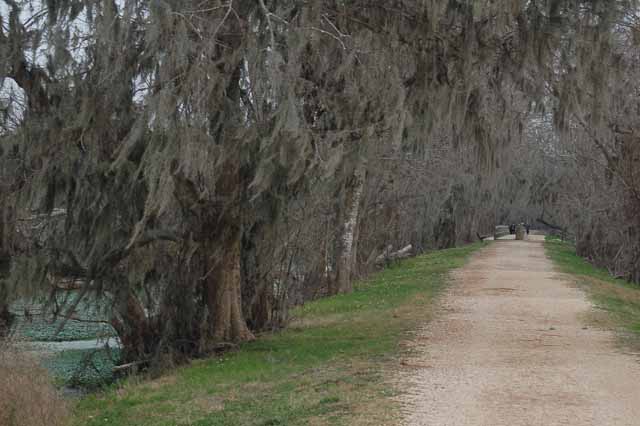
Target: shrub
27, 396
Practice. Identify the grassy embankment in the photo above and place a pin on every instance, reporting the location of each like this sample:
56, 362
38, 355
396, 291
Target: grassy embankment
618, 301
326, 368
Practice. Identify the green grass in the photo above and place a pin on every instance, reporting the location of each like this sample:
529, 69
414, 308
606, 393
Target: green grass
619, 299
326, 368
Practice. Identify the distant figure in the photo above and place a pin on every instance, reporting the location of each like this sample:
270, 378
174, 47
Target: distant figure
527, 227
512, 229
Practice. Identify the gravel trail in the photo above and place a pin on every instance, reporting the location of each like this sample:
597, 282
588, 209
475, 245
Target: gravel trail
509, 348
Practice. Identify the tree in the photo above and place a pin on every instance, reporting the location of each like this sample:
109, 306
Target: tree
207, 161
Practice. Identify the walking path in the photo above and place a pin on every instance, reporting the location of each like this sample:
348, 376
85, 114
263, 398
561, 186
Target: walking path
509, 348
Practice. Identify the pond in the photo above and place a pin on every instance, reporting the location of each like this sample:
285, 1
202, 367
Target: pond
81, 355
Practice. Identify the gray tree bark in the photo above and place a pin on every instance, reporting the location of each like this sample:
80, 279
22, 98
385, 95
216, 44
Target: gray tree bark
347, 243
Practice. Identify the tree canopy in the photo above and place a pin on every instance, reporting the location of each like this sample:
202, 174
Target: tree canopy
200, 166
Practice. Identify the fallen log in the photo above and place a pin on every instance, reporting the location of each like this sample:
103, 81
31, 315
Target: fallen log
129, 366
389, 256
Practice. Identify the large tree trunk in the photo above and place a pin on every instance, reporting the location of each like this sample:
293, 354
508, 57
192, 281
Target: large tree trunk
226, 321
347, 242
224, 285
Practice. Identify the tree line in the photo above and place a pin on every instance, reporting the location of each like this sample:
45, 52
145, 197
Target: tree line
201, 166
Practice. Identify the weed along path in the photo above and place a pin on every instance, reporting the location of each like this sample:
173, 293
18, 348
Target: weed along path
510, 347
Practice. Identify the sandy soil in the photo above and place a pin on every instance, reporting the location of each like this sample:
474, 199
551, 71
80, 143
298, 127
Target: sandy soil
509, 348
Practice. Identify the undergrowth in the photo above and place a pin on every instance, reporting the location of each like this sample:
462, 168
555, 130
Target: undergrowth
27, 395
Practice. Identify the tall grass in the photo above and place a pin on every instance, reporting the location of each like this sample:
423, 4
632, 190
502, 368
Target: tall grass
27, 396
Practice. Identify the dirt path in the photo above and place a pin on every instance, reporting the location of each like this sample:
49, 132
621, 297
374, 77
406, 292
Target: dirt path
509, 348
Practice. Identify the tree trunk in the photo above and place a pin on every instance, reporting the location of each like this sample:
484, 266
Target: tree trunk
134, 330
224, 284
227, 323
347, 238
6, 318
256, 292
